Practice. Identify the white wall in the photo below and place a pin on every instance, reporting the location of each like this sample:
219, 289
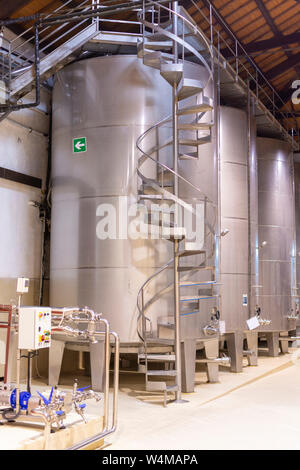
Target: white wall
26, 151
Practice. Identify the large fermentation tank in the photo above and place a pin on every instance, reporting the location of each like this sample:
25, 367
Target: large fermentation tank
110, 101
234, 254
276, 227
297, 221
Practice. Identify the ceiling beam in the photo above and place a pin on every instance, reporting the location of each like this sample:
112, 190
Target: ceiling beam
287, 64
267, 17
266, 44
284, 40
9, 8
277, 33
226, 27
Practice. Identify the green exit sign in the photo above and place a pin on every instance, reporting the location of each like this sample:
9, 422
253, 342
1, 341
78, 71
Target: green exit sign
79, 145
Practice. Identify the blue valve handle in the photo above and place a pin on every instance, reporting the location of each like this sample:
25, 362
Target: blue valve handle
46, 400
83, 388
83, 405
51, 393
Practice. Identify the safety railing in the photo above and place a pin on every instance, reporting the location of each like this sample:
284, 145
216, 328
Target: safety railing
260, 86
52, 33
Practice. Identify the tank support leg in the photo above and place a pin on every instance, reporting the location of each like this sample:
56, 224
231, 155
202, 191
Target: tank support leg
273, 343
284, 345
212, 352
252, 345
55, 361
235, 350
188, 359
212, 372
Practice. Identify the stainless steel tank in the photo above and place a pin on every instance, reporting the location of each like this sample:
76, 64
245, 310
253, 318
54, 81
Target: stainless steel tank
110, 101
297, 222
276, 227
234, 253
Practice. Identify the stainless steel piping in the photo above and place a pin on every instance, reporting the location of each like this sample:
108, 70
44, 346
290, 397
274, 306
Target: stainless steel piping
112, 429
106, 386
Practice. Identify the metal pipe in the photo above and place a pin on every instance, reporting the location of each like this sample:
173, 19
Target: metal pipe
177, 321
294, 254
116, 376
249, 125
97, 11
18, 381
217, 138
176, 192
47, 422
112, 429
106, 384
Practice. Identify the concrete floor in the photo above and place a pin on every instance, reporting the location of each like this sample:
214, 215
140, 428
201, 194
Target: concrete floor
257, 409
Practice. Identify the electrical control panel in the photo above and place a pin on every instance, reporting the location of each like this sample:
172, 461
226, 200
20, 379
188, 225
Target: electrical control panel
34, 327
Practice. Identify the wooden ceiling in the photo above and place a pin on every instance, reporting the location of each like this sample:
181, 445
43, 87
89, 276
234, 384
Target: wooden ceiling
269, 31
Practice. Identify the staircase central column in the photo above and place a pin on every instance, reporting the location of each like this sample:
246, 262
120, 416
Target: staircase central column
176, 218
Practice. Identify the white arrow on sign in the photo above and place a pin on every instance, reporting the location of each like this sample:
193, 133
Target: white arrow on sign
78, 145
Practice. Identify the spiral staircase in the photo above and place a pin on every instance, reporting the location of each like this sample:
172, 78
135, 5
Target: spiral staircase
169, 34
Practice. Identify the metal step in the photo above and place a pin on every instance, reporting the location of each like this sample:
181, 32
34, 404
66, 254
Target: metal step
167, 26
158, 45
157, 221
194, 268
188, 87
195, 142
165, 232
154, 197
193, 246
190, 36
166, 183
156, 58
203, 107
161, 341
195, 126
152, 60
160, 387
184, 253
166, 324
188, 156
166, 177
158, 357
196, 283
147, 189
162, 373
149, 48
195, 298
172, 73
